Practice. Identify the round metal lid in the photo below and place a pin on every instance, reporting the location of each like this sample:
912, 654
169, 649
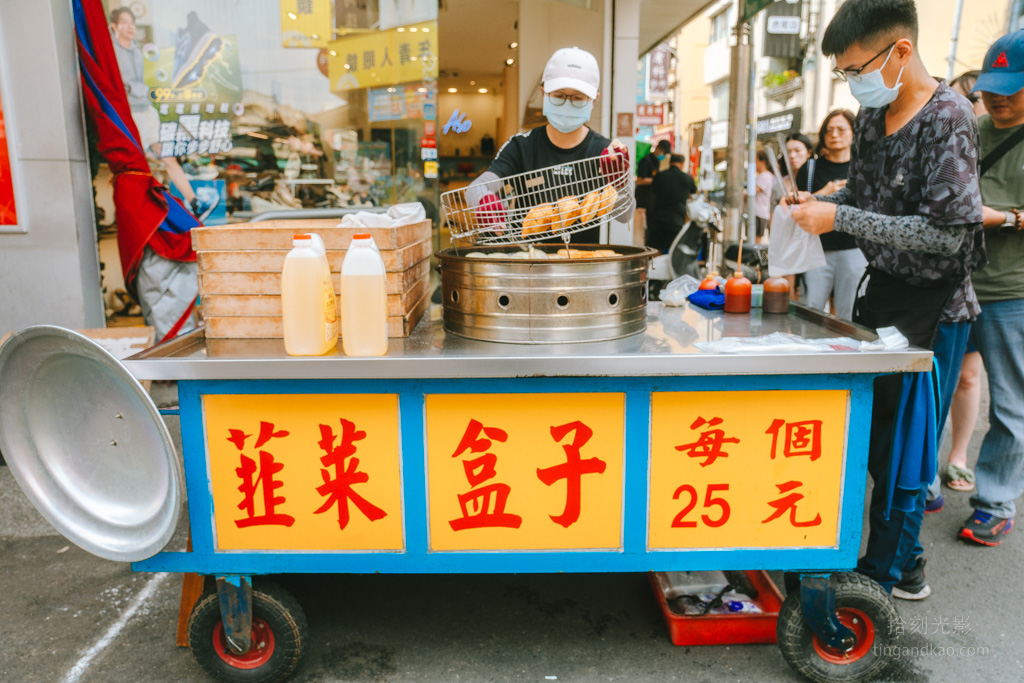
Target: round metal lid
87, 445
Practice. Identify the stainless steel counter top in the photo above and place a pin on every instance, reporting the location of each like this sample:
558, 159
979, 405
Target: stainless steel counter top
666, 349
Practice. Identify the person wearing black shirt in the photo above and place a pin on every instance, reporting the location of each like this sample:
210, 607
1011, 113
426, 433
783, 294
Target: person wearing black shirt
646, 169
672, 188
569, 87
844, 262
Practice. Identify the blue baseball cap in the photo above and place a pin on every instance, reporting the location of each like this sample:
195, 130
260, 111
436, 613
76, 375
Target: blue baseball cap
1003, 72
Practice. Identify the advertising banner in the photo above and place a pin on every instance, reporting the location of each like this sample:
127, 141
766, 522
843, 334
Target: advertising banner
306, 23
402, 55
8, 209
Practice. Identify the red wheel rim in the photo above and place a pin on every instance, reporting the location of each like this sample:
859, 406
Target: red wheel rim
259, 653
864, 634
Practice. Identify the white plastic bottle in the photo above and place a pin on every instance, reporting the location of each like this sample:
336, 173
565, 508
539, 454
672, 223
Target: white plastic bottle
309, 306
364, 299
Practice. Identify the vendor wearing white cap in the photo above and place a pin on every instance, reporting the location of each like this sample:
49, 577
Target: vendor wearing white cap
569, 88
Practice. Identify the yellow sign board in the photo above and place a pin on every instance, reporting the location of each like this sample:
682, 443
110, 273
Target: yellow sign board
305, 471
525, 471
306, 23
399, 55
758, 469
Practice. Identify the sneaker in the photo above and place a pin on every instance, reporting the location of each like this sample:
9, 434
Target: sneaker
985, 528
912, 585
196, 47
204, 203
934, 505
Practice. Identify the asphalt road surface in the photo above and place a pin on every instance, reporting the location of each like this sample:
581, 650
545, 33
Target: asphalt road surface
69, 616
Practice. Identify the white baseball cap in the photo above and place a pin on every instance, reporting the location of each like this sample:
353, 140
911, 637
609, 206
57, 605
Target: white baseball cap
572, 68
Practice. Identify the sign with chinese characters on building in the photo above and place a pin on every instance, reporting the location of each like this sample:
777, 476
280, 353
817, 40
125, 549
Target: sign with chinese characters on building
306, 23
758, 469
400, 55
525, 471
305, 472
659, 63
650, 114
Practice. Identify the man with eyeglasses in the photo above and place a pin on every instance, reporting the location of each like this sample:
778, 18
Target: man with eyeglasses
569, 88
912, 200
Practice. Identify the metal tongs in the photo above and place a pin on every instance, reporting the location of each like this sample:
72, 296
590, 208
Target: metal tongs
789, 168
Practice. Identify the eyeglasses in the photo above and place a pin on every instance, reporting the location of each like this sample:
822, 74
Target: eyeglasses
846, 74
838, 130
579, 101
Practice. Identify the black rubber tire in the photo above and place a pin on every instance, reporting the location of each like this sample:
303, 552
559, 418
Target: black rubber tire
281, 613
853, 591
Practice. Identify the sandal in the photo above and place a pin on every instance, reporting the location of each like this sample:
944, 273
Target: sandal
955, 473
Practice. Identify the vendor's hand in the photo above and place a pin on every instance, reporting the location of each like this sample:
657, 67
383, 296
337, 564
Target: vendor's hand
615, 161
832, 187
815, 217
803, 197
490, 211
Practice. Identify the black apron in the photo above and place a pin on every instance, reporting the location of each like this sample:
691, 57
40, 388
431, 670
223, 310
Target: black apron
914, 311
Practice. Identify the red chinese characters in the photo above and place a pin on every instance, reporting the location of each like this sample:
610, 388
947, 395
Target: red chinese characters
267, 468
800, 438
483, 506
709, 444
572, 470
788, 504
338, 489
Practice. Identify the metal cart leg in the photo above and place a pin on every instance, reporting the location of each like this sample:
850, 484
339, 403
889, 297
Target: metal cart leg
818, 603
235, 597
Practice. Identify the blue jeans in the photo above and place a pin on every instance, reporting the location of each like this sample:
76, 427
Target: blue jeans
951, 344
999, 335
893, 544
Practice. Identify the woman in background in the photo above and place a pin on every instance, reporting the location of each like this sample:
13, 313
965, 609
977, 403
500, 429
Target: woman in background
844, 263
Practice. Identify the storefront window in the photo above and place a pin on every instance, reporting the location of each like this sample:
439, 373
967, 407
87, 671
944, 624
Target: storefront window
253, 106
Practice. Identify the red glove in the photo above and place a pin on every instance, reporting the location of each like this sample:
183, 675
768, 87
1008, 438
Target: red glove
490, 210
615, 163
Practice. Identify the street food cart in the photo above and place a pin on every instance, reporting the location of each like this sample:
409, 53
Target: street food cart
451, 455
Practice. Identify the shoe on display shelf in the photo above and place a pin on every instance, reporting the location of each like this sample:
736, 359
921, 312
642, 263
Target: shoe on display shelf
205, 201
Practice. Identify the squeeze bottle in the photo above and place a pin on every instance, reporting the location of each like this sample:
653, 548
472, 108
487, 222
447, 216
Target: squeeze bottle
364, 301
309, 306
737, 294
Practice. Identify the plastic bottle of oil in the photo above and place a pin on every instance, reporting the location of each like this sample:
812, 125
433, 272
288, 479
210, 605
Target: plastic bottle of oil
364, 299
309, 306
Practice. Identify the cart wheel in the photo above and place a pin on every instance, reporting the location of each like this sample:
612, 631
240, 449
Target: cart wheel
863, 607
279, 632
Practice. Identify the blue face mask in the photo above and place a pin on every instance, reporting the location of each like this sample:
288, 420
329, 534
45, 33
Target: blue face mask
870, 89
565, 117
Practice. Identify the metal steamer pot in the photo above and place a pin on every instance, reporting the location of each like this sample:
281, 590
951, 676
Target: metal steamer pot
545, 301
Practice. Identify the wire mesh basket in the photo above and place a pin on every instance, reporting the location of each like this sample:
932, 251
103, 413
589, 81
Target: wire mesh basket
555, 201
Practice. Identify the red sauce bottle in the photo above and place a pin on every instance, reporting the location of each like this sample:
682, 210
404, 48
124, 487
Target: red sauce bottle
776, 295
737, 294
709, 282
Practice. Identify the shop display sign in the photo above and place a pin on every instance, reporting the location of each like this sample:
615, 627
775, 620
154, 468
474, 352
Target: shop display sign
430, 169
400, 55
196, 92
758, 469
659, 64
457, 123
396, 103
305, 472
306, 23
8, 207
525, 471
650, 114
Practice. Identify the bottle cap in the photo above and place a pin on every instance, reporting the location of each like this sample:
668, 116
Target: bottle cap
362, 236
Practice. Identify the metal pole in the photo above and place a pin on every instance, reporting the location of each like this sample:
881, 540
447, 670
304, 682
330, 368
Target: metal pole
738, 85
751, 139
951, 60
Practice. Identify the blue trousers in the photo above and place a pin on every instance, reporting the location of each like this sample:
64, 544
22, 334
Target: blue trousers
893, 543
999, 335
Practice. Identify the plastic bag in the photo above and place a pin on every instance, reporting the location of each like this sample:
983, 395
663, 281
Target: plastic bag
791, 249
675, 292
